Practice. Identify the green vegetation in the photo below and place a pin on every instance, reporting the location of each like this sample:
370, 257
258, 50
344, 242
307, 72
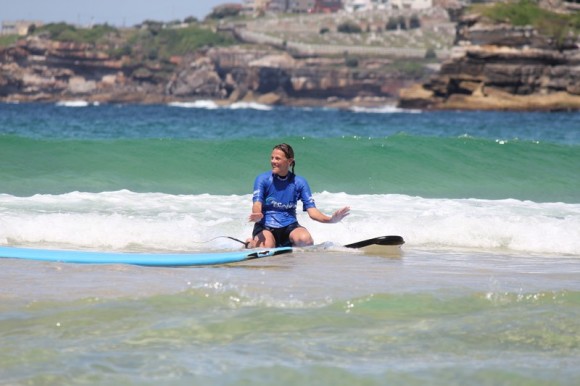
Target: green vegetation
413, 68
392, 24
528, 12
430, 54
7, 40
400, 22
351, 61
152, 40
414, 22
349, 27
190, 20
66, 32
522, 13
181, 41
163, 43
225, 11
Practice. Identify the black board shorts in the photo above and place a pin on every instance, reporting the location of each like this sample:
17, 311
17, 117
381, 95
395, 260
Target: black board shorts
281, 235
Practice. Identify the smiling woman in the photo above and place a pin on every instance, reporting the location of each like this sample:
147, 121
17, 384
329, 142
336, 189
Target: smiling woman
276, 194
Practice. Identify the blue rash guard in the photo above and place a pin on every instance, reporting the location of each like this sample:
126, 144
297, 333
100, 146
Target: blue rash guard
279, 198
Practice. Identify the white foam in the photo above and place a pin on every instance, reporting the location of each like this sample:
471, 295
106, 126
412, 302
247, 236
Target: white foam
154, 221
250, 105
201, 104
386, 109
73, 103
211, 105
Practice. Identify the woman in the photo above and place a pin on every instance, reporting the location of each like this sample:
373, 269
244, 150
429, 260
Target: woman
276, 194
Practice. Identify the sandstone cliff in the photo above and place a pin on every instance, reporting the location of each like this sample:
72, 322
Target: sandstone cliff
37, 69
43, 70
501, 67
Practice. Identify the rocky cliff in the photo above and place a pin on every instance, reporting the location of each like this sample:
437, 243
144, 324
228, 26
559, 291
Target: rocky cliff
37, 69
43, 70
501, 67
493, 67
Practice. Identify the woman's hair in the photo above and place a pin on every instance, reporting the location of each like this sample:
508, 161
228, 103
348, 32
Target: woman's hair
288, 152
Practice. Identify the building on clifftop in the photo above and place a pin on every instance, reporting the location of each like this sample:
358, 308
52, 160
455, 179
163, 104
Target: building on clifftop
381, 5
327, 6
18, 27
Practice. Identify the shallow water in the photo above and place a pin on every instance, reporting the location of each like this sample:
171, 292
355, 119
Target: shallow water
334, 317
485, 291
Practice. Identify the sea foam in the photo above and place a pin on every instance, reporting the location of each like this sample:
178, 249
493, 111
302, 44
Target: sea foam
125, 220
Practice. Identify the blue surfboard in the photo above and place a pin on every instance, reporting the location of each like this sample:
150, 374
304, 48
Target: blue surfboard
174, 259
146, 259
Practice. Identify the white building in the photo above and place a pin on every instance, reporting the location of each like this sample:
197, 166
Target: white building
365, 5
411, 4
278, 5
18, 27
301, 6
377, 5
252, 6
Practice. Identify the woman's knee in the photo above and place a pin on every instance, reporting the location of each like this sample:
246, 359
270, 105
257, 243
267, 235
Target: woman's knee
300, 237
264, 239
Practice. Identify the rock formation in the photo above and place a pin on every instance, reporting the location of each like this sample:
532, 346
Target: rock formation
493, 67
37, 69
501, 67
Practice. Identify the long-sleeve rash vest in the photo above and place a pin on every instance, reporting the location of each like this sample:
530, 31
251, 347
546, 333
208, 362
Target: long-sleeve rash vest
279, 197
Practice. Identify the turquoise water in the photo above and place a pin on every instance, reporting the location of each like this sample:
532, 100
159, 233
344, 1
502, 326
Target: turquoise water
486, 290
456, 167
175, 150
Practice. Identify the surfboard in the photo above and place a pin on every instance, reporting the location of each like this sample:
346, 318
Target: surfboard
165, 259
146, 259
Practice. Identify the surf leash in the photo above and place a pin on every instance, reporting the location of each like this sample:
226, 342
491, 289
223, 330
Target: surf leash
244, 243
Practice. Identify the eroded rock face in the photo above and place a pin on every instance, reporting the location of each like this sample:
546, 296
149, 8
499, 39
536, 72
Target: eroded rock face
39, 69
197, 78
264, 72
43, 70
502, 68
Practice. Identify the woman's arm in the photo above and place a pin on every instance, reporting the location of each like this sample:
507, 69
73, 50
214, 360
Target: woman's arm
337, 216
256, 214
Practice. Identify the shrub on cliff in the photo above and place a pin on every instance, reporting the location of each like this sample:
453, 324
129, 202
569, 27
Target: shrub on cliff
392, 24
225, 11
430, 54
184, 40
414, 22
399, 22
69, 33
349, 27
351, 61
190, 20
164, 43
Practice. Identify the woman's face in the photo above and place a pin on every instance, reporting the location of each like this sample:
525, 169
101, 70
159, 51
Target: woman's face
280, 164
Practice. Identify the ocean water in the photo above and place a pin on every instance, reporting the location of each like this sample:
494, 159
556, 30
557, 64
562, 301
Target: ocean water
486, 289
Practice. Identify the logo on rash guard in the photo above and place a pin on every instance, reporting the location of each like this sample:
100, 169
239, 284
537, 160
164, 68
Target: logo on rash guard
278, 205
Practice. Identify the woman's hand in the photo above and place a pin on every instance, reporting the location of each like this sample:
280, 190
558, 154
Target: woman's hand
340, 214
255, 217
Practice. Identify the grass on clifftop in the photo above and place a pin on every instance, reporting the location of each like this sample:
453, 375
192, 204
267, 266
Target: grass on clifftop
7, 40
174, 41
528, 12
152, 40
69, 33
